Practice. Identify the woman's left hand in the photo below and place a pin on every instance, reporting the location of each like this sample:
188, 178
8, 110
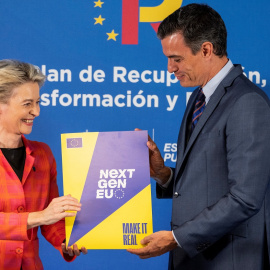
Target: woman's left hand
71, 251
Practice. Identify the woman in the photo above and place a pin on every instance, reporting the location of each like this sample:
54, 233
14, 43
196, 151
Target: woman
28, 187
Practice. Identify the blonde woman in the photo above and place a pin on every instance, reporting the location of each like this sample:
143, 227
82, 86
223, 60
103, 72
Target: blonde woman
28, 189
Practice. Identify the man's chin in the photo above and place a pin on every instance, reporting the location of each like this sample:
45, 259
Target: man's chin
187, 84
184, 84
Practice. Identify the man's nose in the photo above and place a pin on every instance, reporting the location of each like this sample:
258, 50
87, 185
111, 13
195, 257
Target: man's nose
172, 67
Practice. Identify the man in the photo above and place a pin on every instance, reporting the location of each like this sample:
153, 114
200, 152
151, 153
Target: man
221, 198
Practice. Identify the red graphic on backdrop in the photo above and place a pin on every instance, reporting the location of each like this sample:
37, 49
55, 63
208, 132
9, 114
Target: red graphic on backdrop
130, 22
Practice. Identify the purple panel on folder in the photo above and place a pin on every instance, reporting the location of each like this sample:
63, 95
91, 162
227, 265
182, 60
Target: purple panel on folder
119, 153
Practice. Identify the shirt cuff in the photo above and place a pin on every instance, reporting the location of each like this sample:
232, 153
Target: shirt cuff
176, 240
169, 181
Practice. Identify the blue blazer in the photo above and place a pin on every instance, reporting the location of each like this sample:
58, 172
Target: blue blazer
221, 196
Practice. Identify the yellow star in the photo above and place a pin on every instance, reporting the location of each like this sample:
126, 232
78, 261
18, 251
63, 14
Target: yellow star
98, 4
99, 20
112, 35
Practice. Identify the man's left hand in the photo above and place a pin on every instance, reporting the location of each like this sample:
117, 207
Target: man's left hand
156, 244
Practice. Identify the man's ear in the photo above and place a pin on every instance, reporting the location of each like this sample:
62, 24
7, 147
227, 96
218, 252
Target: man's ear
207, 49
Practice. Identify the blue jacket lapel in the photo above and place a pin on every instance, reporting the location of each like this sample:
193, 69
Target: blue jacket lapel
209, 109
213, 102
182, 137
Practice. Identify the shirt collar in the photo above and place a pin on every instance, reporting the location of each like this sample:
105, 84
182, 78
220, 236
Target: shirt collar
211, 86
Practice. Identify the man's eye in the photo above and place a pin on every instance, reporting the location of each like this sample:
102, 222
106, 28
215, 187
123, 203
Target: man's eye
177, 60
27, 104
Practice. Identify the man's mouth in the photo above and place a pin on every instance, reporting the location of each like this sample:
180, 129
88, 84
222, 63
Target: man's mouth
179, 76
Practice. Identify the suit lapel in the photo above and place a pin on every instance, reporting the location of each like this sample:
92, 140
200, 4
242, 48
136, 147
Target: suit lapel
209, 109
212, 104
182, 137
29, 160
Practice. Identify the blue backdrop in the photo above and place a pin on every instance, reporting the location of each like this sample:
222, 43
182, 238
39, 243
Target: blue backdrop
106, 72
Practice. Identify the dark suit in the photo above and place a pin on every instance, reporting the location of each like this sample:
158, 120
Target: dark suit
221, 199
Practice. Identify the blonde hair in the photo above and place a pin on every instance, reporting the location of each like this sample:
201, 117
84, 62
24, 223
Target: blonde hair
14, 73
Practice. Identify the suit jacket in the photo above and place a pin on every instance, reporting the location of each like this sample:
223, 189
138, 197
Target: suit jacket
19, 246
220, 212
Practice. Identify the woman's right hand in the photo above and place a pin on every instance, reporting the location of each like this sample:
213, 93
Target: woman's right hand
56, 210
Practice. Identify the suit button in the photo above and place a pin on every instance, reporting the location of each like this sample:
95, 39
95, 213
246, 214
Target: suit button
19, 250
176, 194
20, 209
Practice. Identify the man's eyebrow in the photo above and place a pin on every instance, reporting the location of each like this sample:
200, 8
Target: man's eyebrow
175, 56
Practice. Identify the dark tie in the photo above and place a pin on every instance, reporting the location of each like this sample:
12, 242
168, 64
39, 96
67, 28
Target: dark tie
198, 108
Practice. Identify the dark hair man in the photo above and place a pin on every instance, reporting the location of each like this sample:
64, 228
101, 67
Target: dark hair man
220, 186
